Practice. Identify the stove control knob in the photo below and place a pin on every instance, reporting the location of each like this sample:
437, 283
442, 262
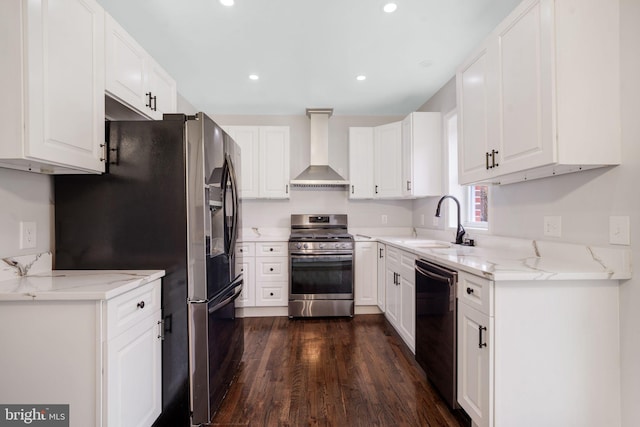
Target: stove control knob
299, 245
305, 246
321, 245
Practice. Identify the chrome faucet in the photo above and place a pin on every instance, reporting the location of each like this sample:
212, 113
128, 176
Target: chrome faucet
460, 232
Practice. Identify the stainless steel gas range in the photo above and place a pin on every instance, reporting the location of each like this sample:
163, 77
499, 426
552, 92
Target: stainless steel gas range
320, 266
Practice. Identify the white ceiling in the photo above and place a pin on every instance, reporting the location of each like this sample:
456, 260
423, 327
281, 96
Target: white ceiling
309, 52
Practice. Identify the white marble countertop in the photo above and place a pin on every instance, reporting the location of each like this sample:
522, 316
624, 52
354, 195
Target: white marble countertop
501, 259
68, 285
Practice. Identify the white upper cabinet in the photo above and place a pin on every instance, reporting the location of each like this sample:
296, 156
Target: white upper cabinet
133, 77
388, 160
540, 96
397, 160
52, 84
248, 138
422, 155
361, 163
265, 160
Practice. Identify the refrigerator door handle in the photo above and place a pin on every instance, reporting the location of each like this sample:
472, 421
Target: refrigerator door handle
234, 197
236, 293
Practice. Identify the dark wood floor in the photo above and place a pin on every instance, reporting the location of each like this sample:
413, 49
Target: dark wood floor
329, 372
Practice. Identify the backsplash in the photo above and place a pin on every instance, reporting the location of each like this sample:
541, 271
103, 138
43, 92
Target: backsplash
23, 265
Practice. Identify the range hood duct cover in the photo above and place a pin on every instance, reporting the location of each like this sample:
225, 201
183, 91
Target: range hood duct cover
319, 173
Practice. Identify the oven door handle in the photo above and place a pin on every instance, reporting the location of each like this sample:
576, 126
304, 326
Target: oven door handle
323, 257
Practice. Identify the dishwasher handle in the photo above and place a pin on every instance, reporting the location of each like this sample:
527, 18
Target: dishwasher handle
434, 276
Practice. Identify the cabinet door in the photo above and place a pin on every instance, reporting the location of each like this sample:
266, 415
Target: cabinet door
125, 66
477, 116
388, 160
366, 273
407, 299
361, 163
392, 296
475, 352
134, 375
422, 154
162, 88
65, 96
526, 106
248, 138
381, 256
274, 162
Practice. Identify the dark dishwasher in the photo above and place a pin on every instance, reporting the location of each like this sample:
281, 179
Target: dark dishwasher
436, 327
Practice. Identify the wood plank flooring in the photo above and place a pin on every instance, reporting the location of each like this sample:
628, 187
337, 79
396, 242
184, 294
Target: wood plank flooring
329, 372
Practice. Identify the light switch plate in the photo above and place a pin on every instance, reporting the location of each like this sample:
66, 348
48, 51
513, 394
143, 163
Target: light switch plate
553, 226
619, 230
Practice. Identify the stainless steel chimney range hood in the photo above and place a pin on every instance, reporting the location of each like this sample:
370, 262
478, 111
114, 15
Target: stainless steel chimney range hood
319, 173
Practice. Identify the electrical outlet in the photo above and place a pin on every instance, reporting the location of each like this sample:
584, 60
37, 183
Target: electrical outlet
619, 230
553, 226
384, 219
27, 234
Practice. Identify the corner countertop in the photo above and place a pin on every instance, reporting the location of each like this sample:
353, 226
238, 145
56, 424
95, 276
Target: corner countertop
510, 259
67, 285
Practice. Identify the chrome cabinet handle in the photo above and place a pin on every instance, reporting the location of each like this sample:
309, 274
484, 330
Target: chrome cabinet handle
352, 189
376, 189
408, 185
486, 159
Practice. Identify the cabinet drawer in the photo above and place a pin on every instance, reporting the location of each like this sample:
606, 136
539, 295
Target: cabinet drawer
246, 249
132, 307
272, 269
272, 249
272, 294
476, 292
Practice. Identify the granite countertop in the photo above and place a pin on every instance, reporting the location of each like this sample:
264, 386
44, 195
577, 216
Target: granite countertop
59, 285
499, 258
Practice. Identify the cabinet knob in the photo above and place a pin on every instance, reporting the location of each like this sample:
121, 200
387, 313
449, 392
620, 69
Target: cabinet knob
469, 291
140, 304
270, 249
271, 293
271, 269
241, 250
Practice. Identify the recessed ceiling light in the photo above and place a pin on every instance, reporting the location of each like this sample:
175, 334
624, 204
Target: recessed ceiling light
226, 2
254, 76
390, 7
361, 77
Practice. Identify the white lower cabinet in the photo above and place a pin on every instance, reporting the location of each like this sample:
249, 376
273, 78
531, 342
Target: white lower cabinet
366, 273
382, 249
265, 266
539, 353
400, 293
102, 357
246, 264
474, 350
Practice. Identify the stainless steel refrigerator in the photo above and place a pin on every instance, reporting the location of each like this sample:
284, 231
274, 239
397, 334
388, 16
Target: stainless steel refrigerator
168, 200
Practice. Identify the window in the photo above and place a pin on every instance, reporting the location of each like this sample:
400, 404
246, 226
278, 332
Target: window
474, 199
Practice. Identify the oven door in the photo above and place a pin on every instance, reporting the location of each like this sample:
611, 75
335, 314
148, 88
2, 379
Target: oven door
321, 276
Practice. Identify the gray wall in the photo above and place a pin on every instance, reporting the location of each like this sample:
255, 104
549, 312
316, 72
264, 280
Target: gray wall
585, 201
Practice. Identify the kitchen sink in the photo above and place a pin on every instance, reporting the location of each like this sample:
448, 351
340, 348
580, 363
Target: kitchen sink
424, 244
